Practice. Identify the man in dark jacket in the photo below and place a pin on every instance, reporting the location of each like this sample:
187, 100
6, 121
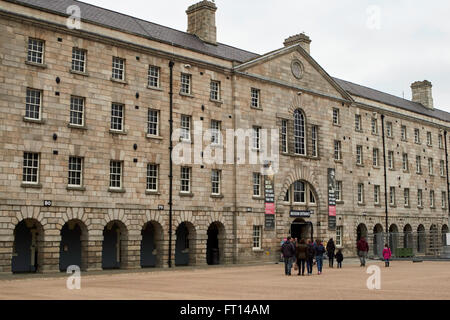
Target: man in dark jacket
288, 251
363, 249
331, 248
300, 254
310, 254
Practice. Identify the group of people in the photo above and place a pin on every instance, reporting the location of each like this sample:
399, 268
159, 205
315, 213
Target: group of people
297, 254
363, 249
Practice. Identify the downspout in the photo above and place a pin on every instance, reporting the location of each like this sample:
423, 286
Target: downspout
171, 64
446, 166
385, 177
235, 224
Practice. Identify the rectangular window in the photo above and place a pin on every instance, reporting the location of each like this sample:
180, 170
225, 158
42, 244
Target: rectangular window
153, 76
117, 117
185, 128
358, 122
33, 104
418, 165
430, 167
115, 174
215, 182
79, 60
405, 162
389, 129
186, 80
35, 51
431, 199
416, 136
77, 111
256, 184
215, 90
255, 95
339, 234
118, 68
30, 168
441, 142
153, 122
185, 179
257, 238
359, 155
429, 139
152, 177
404, 136
374, 126
284, 138
299, 192
256, 138
336, 119
419, 198
338, 191
215, 132
406, 197
444, 200
392, 196
375, 157
360, 193
75, 171
376, 194
314, 141
337, 150
391, 160
442, 168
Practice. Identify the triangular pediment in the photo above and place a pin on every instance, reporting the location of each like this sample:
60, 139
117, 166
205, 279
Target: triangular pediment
293, 66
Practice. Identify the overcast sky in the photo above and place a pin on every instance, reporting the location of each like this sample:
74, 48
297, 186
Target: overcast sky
382, 44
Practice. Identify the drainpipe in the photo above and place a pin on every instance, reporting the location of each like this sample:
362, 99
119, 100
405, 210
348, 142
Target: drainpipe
446, 169
171, 64
235, 242
385, 178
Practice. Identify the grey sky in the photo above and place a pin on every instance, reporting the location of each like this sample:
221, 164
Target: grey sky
410, 41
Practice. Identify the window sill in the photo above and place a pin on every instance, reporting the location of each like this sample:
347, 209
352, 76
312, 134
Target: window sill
419, 207
256, 108
154, 88
360, 165
405, 171
217, 102
378, 205
118, 81
257, 250
74, 126
188, 95
186, 194
374, 134
337, 125
216, 146
258, 198
419, 173
217, 196
38, 121
376, 167
340, 202
361, 204
391, 169
75, 188
116, 190
152, 193
80, 73
338, 161
34, 64
389, 137
150, 136
124, 133
392, 206
31, 185
407, 207
359, 131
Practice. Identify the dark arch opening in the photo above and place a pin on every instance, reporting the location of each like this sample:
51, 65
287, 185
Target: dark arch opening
27, 247
361, 231
73, 245
185, 244
151, 245
378, 241
421, 239
114, 249
408, 237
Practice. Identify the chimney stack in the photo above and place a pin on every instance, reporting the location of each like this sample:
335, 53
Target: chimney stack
421, 93
301, 39
202, 21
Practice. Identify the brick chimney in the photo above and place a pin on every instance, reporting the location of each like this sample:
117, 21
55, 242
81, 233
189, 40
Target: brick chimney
202, 21
301, 39
421, 93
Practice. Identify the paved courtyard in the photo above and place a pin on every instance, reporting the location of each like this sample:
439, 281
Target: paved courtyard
403, 280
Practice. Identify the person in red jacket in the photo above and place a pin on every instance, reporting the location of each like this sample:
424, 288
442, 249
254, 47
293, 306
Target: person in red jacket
387, 254
363, 249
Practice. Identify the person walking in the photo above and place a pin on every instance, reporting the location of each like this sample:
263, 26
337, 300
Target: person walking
300, 254
319, 251
339, 258
288, 253
331, 248
363, 249
387, 254
310, 253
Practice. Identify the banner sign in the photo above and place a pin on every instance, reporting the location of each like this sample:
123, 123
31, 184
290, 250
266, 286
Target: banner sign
301, 213
331, 199
269, 203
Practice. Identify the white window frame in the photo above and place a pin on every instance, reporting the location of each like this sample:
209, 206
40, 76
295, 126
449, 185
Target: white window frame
216, 182
442, 168
74, 172
214, 90
359, 155
118, 68
314, 141
336, 117
418, 164
417, 136
299, 192
36, 51
374, 124
405, 162
152, 177
338, 191
114, 172
185, 125
360, 195
117, 117
216, 136
186, 173
31, 167
33, 103
444, 199
337, 150
432, 198
339, 235
154, 74
391, 163
389, 129
441, 141
153, 122
256, 184
430, 166
255, 95
257, 237
375, 157
256, 138
186, 83
406, 196
77, 110
392, 196
376, 194
404, 133
358, 126
419, 198
284, 136
429, 139
79, 59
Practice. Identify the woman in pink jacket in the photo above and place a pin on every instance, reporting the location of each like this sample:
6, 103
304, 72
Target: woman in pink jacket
387, 254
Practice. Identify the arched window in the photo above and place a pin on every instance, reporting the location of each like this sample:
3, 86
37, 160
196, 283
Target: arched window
301, 193
299, 132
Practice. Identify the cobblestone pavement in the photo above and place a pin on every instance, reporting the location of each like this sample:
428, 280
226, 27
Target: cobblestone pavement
404, 280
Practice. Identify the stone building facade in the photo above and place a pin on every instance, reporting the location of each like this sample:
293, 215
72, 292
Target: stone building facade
85, 137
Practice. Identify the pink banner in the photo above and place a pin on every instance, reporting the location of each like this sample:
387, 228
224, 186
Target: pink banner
270, 208
332, 211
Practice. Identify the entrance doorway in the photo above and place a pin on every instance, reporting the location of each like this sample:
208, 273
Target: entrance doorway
27, 245
301, 229
70, 246
212, 246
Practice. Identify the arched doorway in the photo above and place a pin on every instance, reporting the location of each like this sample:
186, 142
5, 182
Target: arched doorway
434, 240
361, 231
114, 245
444, 235
378, 241
215, 243
393, 238
301, 229
27, 247
151, 245
421, 240
73, 245
185, 244
407, 237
